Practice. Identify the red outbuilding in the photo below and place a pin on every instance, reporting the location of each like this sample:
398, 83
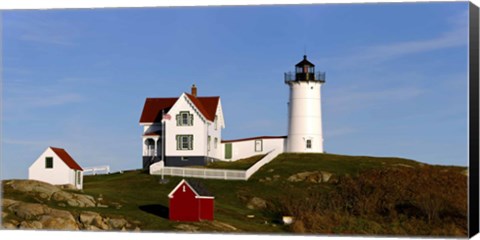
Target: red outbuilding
190, 202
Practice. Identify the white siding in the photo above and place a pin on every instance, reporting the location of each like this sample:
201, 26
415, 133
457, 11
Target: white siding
58, 175
198, 130
305, 117
246, 148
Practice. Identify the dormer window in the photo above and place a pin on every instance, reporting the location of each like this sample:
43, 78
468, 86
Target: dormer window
185, 118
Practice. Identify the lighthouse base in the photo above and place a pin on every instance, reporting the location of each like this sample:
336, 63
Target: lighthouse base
305, 144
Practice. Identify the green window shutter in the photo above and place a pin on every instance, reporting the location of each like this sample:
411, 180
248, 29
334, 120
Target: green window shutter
190, 119
178, 142
191, 142
178, 119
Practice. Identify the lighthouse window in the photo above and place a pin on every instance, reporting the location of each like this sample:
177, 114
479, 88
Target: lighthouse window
309, 144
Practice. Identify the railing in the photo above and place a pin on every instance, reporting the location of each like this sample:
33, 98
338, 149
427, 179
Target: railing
159, 169
316, 76
96, 170
198, 173
269, 157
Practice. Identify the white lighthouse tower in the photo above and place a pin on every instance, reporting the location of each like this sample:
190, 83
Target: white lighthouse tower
304, 109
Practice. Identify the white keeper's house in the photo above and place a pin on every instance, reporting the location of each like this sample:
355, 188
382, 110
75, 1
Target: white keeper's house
187, 130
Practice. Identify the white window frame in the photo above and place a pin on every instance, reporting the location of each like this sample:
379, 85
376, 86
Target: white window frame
258, 145
184, 142
184, 118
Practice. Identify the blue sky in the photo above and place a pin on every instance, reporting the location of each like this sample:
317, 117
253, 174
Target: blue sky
77, 79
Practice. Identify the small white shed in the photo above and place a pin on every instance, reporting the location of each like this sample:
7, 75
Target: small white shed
56, 166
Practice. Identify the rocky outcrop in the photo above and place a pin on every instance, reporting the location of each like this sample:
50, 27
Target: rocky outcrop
47, 192
313, 177
256, 203
40, 216
46, 209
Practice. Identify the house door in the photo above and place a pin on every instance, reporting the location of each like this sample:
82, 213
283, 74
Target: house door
228, 151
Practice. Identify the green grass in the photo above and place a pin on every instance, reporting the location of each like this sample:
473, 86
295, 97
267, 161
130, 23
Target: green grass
136, 189
241, 164
141, 195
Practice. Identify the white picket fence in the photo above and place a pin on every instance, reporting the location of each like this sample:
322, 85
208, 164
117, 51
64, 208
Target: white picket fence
226, 174
96, 170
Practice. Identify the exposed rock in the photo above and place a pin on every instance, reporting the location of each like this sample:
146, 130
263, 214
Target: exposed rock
271, 170
223, 226
58, 223
29, 211
87, 217
187, 227
313, 177
61, 214
326, 176
93, 228
98, 222
117, 223
402, 165
276, 176
74, 199
9, 225
6, 203
256, 203
4, 215
31, 225
34, 187
61, 196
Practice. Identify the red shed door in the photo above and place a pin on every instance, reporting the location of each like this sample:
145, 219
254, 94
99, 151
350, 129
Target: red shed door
184, 205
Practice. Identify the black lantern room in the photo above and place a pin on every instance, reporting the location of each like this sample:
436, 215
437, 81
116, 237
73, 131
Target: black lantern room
305, 71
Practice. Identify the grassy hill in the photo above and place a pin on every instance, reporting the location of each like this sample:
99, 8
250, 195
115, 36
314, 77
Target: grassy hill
362, 195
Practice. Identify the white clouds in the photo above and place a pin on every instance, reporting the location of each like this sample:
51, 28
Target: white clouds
20, 97
456, 36
351, 99
38, 29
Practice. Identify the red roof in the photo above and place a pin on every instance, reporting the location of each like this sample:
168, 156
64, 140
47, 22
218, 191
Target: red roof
152, 110
252, 138
66, 158
206, 105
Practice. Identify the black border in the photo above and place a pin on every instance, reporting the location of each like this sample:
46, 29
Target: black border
473, 207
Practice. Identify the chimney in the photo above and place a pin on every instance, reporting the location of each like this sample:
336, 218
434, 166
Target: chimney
194, 90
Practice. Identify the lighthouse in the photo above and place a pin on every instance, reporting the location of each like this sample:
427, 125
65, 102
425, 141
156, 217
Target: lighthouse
305, 109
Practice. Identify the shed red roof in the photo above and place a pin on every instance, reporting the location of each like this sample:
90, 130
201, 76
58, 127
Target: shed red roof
66, 158
197, 188
152, 110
